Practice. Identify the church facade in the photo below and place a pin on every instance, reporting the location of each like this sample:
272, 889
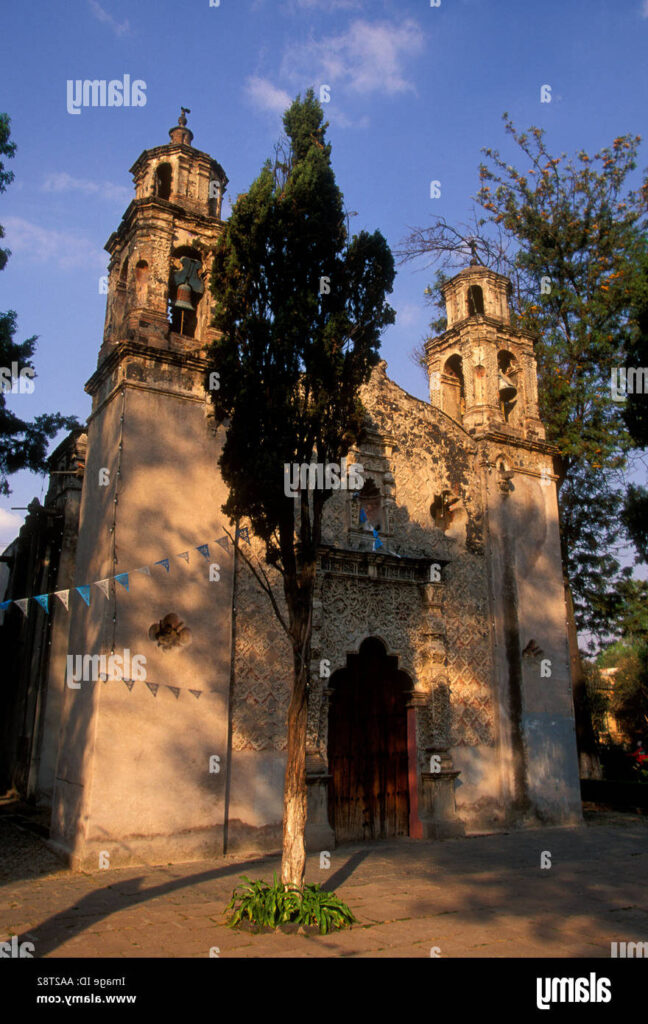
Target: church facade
440, 701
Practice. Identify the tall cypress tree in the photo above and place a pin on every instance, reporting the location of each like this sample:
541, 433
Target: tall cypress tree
300, 308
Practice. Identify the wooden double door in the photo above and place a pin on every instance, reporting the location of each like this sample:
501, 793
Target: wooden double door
368, 756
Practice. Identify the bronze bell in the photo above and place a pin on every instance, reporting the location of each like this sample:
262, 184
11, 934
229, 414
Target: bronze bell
183, 298
507, 390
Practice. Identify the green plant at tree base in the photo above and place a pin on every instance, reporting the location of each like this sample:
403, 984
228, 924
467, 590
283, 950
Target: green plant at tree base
273, 905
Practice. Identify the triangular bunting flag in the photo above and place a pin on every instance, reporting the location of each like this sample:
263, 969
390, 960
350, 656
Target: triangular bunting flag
43, 600
130, 683
22, 604
122, 578
175, 690
64, 597
4, 604
144, 569
153, 687
104, 586
204, 550
196, 693
164, 562
224, 542
85, 594
183, 554
244, 533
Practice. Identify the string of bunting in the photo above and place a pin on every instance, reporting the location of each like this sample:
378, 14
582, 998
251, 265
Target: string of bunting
122, 578
152, 687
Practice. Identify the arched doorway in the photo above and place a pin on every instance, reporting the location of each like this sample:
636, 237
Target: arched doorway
368, 747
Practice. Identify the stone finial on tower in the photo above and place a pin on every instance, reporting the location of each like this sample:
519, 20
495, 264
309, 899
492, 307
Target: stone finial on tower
180, 135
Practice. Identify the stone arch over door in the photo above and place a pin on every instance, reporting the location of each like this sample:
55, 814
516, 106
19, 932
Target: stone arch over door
371, 751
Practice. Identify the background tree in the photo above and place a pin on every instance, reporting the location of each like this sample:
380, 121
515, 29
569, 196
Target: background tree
629, 701
570, 235
23, 443
635, 413
300, 309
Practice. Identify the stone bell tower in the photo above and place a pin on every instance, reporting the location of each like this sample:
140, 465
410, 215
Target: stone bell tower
482, 372
160, 254
133, 774
483, 375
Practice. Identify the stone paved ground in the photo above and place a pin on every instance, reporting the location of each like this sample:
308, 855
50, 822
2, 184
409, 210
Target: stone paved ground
479, 897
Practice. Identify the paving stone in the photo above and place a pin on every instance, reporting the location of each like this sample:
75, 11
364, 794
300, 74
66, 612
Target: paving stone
479, 897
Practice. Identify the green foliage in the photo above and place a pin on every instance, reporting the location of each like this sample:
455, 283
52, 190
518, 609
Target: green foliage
577, 228
8, 149
635, 518
599, 704
299, 310
629, 701
292, 360
269, 906
635, 414
23, 443
571, 236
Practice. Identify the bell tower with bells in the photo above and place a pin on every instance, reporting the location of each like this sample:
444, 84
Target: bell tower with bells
483, 376
160, 255
152, 490
482, 372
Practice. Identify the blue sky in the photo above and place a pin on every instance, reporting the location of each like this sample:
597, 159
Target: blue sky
416, 91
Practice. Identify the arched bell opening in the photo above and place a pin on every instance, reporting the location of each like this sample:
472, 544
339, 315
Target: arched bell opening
371, 756
142, 271
475, 300
454, 394
507, 377
186, 289
163, 179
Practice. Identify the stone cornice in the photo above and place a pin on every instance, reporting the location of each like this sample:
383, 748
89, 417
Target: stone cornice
166, 207
459, 327
499, 438
184, 360
374, 565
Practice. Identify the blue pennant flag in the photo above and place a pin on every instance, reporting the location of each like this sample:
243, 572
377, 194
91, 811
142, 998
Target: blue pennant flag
204, 549
4, 604
377, 541
164, 562
43, 600
85, 594
122, 577
244, 533
224, 542
363, 516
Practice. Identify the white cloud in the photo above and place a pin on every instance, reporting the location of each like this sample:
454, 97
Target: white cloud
644, 9
103, 16
64, 182
266, 96
65, 249
10, 523
366, 58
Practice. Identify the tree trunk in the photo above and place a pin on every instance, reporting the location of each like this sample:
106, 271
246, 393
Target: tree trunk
293, 858
588, 758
